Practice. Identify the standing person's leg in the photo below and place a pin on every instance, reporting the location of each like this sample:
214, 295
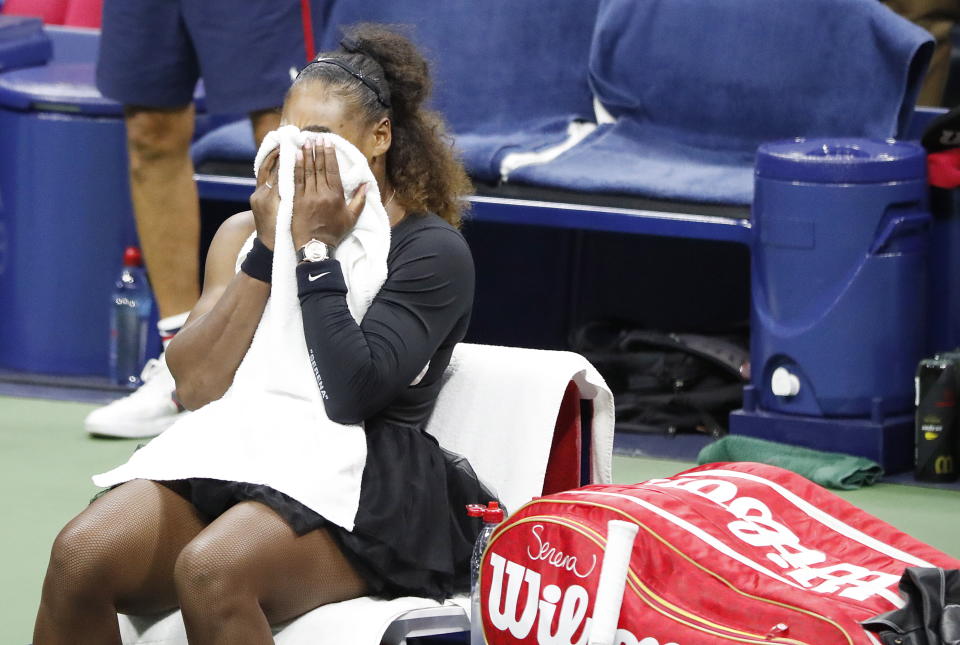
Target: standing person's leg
117, 555
264, 121
146, 58
150, 55
165, 203
148, 63
248, 569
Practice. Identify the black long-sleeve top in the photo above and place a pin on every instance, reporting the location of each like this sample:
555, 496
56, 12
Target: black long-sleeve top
422, 311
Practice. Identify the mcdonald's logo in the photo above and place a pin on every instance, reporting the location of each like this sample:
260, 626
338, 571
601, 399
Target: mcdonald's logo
943, 465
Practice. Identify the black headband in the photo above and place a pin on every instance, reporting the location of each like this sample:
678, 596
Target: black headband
342, 64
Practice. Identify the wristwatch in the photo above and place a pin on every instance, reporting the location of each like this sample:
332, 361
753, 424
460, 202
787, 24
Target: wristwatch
313, 251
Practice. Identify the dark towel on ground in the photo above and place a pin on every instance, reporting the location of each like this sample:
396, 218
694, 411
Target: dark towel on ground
829, 469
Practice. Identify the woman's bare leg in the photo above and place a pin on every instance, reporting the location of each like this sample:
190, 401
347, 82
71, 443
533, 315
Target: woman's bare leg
249, 569
117, 555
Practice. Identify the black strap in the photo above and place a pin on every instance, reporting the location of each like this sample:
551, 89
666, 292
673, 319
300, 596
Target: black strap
943, 133
259, 262
726, 355
348, 68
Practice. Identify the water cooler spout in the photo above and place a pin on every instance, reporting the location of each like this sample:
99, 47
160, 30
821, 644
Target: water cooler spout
784, 383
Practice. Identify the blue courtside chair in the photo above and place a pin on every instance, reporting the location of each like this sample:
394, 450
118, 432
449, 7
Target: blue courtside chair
694, 86
507, 75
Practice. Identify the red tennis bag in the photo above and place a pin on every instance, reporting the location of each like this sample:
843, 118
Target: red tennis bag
725, 553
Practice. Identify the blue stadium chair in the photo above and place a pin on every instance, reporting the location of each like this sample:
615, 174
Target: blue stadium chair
696, 85
650, 172
508, 75
230, 143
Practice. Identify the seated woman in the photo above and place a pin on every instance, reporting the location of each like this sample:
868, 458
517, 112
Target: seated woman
237, 557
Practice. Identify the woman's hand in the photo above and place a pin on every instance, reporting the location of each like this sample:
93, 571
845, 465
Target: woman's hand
319, 209
266, 198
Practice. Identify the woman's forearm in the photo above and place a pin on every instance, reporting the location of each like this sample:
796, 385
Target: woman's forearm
204, 355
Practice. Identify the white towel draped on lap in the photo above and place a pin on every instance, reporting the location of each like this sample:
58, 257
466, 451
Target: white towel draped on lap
271, 427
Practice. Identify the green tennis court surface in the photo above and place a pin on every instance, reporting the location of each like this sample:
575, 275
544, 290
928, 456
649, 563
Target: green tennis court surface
46, 461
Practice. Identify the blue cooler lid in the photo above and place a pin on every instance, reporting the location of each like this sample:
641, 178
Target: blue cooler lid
64, 87
58, 87
841, 161
23, 42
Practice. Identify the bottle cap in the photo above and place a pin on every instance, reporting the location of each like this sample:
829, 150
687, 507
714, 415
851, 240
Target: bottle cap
493, 514
475, 510
132, 257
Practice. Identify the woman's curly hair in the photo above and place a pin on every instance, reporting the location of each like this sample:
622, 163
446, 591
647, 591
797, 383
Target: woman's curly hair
421, 163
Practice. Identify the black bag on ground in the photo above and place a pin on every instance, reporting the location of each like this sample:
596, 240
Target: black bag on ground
931, 615
667, 383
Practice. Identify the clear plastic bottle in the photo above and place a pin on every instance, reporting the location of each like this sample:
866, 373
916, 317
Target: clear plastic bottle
131, 306
492, 515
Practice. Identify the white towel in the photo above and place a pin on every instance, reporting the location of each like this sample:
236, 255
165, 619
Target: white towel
271, 427
361, 621
478, 415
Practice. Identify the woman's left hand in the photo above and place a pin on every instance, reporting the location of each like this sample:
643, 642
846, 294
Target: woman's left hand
319, 209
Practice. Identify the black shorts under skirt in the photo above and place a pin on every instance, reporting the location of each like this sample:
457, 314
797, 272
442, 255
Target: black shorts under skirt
411, 536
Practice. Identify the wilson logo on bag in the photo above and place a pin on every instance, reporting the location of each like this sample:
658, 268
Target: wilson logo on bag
724, 553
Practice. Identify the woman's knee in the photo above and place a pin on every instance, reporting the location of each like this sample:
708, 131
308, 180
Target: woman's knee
82, 558
208, 575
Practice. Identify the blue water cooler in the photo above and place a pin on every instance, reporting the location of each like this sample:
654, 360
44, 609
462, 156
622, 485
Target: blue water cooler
839, 296
65, 212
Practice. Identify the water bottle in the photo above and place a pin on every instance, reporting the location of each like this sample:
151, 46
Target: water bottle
492, 515
131, 304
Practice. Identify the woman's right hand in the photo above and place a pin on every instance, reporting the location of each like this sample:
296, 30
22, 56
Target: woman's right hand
265, 199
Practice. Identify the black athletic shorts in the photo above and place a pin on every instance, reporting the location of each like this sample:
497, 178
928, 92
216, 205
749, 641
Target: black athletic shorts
153, 51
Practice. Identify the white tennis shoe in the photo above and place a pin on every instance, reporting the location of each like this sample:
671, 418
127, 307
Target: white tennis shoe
145, 413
